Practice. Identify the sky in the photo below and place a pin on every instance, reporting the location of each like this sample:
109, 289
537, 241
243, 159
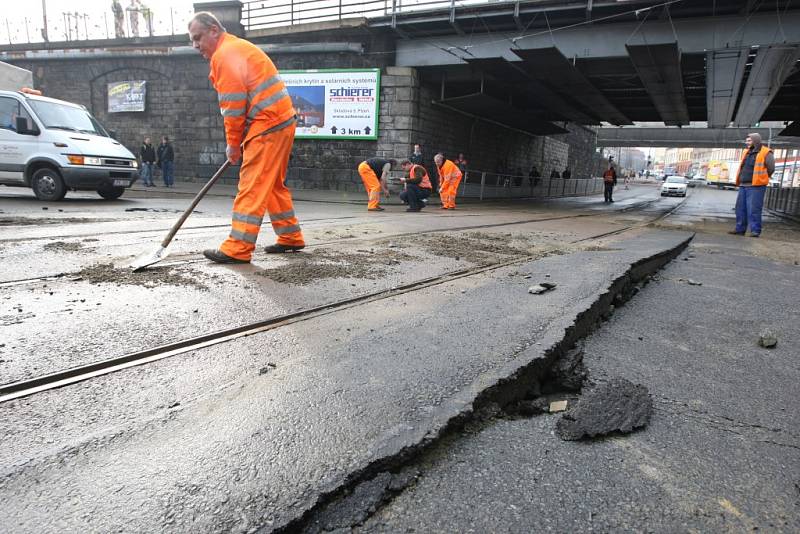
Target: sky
21, 21
93, 18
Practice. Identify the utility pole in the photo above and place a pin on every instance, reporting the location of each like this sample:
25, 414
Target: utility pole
44, 21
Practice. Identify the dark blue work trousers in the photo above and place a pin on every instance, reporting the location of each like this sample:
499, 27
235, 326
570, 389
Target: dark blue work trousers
749, 204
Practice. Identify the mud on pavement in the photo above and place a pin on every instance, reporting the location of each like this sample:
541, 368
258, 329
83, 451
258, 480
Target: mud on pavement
108, 273
320, 264
63, 246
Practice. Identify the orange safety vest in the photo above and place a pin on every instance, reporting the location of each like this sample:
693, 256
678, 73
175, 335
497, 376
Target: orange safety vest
448, 171
760, 175
252, 96
608, 176
426, 180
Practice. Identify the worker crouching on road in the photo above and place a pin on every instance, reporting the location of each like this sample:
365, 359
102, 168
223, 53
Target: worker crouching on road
449, 178
418, 186
259, 130
374, 173
755, 170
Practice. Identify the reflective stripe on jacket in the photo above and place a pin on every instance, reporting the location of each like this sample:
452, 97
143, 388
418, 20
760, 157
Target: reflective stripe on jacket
760, 174
252, 96
426, 180
448, 171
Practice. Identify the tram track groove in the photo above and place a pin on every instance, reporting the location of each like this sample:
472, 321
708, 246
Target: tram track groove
31, 386
178, 262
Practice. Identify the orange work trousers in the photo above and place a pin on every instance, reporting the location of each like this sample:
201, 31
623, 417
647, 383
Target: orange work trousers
449, 189
371, 183
262, 190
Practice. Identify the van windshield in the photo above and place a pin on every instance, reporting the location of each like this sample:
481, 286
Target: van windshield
61, 117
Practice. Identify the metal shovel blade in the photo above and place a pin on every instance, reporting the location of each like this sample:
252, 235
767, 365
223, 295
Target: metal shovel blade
146, 260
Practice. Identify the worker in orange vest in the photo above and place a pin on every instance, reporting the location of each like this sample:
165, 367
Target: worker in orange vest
449, 178
259, 130
755, 170
417, 186
374, 173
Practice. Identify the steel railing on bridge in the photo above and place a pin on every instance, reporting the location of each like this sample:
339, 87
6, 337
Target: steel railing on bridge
256, 15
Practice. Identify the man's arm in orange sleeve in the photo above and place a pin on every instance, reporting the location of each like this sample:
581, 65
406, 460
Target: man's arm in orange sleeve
232, 95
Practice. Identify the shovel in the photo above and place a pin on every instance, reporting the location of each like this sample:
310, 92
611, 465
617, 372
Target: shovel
146, 260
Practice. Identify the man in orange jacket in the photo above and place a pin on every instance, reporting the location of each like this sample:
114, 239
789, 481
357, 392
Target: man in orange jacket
449, 178
374, 173
755, 170
259, 130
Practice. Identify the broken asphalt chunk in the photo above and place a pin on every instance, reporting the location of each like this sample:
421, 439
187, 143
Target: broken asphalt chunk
541, 287
616, 406
767, 339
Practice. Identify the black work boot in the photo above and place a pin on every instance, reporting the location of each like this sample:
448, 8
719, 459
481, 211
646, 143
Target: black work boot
220, 257
277, 248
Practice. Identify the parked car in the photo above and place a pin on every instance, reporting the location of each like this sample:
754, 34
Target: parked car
53, 146
674, 186
696, 180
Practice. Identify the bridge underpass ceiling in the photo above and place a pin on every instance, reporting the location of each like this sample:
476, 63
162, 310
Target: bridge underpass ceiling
583, 91
620, 70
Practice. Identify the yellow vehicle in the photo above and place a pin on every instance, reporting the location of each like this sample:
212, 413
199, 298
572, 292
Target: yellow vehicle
722, 173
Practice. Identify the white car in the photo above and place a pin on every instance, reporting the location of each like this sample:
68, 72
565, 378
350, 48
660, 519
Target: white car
674, 186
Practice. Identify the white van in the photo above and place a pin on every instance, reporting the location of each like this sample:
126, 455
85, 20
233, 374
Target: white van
53, 146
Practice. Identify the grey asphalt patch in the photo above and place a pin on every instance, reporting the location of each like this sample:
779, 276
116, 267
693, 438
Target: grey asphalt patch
614, 406
351, 392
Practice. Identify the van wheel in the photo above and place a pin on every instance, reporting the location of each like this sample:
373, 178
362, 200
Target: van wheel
111, 193
48, 185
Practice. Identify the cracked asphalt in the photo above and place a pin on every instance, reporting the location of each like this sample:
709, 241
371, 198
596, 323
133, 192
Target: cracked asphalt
721, 452
251, 434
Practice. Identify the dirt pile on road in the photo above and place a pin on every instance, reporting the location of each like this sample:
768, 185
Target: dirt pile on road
32, 221
63, 246
320, 264
107, 273
475, 247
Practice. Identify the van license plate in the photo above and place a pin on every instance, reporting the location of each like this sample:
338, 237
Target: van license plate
121, 183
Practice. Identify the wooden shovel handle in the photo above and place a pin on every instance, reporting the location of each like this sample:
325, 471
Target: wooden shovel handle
195, 201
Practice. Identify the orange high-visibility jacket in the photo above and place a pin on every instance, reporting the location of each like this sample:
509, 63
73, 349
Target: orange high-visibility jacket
252, 96
426, 180
448, 171
760, 174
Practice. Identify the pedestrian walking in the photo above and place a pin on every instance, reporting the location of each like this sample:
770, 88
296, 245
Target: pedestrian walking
260, 123
147, 15
133, 17
755, 170
554, 173
119, 19
374, 173
609, 181
147, 154
533, 176
166, 161
417, 186
567, 174
449, 178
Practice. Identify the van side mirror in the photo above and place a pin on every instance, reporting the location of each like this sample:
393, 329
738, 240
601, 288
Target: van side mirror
24, 127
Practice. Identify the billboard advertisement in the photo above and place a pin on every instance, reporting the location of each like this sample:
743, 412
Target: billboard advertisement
335, 103
126, 96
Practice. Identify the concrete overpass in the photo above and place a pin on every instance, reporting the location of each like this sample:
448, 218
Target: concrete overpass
594, 61
691, 137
